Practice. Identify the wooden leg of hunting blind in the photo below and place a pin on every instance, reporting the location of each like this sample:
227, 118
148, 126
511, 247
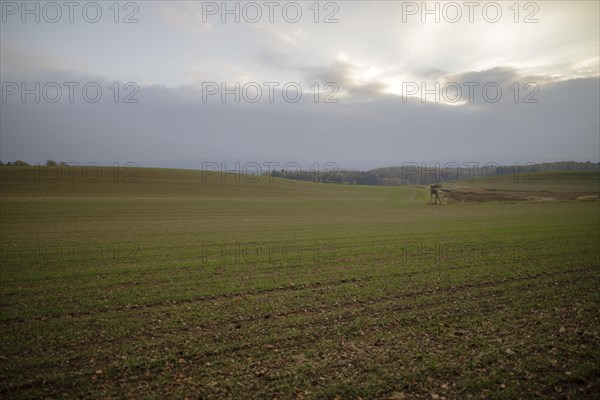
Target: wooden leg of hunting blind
435, 196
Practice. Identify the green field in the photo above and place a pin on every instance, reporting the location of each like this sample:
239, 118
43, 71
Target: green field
180, 284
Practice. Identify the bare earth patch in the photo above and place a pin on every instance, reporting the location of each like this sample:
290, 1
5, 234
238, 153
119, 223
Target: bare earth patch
471, 195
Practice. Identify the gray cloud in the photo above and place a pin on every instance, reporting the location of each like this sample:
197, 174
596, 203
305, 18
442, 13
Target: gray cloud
174, 124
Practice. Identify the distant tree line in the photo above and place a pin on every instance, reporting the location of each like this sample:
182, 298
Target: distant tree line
421, 174
21, 163
410, 173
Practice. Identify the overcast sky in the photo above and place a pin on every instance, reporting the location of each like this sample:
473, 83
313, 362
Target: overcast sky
382, 82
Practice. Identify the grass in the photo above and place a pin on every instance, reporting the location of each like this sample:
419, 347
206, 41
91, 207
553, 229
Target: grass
184, 284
